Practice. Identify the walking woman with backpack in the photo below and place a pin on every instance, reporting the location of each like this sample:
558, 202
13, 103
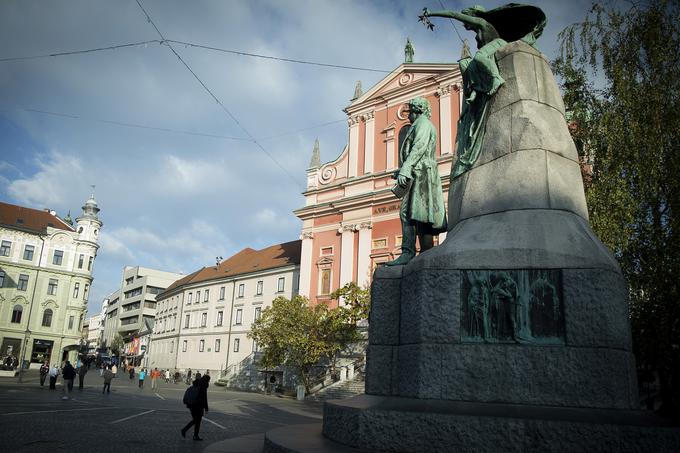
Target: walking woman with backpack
196, 399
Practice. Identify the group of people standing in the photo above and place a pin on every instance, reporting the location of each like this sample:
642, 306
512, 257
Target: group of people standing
68, 373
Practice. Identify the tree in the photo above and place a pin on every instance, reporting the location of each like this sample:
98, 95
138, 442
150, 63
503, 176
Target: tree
630, 126
117, 344
294, 334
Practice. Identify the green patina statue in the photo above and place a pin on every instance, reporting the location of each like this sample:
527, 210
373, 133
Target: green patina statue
422, 210
481, 78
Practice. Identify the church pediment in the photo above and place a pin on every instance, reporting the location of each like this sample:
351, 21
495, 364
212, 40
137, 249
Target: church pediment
402, 79
324, 261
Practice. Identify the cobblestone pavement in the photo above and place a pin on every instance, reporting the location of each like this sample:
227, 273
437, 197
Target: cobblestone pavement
129, 419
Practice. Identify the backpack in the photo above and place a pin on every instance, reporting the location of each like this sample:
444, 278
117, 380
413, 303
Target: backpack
191, 395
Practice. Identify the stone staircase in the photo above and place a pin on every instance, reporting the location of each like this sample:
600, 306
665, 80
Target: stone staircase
341, 389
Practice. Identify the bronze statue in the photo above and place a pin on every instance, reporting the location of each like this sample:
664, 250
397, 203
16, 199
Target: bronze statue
481, 78
422, 206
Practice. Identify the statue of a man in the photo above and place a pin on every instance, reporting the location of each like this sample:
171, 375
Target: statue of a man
422, 206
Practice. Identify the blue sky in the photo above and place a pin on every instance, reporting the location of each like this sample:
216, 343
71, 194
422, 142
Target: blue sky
171, 200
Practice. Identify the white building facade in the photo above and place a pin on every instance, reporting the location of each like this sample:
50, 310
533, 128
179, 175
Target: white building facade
203, 320
93, 333
46, 267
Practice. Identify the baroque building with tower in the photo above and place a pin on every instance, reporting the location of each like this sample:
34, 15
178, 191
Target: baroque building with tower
46, 266
350, 219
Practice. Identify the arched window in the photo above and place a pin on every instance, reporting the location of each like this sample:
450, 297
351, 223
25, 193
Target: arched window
16, 313
47, 318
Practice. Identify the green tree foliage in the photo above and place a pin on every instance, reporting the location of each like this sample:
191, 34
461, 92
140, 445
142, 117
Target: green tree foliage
295, 334
117, 344
621, 74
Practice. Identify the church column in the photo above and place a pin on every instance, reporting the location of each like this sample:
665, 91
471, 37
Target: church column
346, 253
364, 262
445, 141
369, 142
306, 264
353, 146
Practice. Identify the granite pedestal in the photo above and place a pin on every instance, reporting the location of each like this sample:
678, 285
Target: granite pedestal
513, 334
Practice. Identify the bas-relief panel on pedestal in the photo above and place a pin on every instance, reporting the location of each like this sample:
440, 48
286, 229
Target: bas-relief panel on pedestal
512, 306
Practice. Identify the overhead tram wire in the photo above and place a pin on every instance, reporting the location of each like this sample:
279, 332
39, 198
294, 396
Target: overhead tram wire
198, 46
133, 125
452, 23
269, 57
165, 129
226, 110
77, 52
283, 134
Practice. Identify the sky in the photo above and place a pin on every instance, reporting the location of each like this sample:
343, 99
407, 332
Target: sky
181, 178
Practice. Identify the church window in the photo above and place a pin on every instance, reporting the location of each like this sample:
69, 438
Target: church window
325, 281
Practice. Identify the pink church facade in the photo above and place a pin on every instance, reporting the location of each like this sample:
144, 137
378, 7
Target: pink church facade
350, 220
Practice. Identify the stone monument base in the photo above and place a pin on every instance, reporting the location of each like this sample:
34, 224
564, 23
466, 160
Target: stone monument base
378, 423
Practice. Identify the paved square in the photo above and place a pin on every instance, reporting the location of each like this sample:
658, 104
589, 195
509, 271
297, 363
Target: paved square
36, 419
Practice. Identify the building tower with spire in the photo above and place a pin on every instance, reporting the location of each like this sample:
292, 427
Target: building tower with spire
52, 262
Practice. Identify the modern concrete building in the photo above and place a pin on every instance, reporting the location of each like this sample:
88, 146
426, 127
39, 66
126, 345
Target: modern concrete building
350, 218
204, 318
46, 267
135, 301
92, 329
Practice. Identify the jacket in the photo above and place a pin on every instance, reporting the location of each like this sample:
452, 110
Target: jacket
418, 162
69, 372
108, 376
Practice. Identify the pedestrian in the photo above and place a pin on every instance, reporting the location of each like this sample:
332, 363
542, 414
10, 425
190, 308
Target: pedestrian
44, 371
82, 371
196, 399
132, 372
167, 376
189, 376
108, 376
155, 374
101, 369
54, 373
114, 369
142, 375
69, 374
177, 376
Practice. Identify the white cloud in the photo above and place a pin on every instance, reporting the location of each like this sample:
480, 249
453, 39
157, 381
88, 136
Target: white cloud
265, 216
51, 184
113, 246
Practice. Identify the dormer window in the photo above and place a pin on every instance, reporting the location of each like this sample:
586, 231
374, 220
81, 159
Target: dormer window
80, 230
